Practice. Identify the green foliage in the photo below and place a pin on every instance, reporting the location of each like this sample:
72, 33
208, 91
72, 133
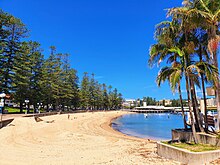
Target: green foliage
12, 30
95, 96
176, 50
12, 110
25, 74
188, 44
149, 100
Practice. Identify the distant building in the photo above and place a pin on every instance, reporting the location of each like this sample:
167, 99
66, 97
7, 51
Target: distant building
210, 91
129, 103
165, 102
9, 101
211, 104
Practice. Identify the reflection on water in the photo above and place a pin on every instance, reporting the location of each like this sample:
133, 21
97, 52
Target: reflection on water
153, 126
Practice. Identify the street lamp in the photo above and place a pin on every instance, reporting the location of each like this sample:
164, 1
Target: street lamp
39, 106
26, 102
2, 95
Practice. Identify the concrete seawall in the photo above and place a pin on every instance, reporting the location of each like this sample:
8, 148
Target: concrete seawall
185, 156
181, 135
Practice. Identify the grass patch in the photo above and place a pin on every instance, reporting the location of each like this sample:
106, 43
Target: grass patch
17, 110
194, 147
12, 110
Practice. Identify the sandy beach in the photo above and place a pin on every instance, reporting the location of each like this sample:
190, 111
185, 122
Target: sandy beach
84, 138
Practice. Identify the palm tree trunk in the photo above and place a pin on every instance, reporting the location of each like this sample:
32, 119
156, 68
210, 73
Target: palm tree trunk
217, 92
181, 102
205, 103
190, 110
193, 104
212, 35
195, 107
203, 91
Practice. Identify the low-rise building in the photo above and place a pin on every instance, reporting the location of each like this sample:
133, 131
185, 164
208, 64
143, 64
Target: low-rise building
211, 104
128, 103
165, 102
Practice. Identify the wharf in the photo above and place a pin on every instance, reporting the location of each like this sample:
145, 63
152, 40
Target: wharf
158, 109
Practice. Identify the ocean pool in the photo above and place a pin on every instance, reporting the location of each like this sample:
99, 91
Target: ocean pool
155, 126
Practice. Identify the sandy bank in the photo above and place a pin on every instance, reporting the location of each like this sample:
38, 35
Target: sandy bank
86, 138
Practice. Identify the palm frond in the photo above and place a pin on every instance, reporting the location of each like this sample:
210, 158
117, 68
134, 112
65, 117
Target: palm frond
163, 75
204, 6
175, 78
177, 50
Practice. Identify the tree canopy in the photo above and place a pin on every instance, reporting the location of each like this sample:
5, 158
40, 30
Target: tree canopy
26, 74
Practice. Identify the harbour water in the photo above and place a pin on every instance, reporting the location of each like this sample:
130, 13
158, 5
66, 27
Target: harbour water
155, 126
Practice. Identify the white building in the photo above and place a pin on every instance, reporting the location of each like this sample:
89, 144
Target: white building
165, 102
129, 103
211, 104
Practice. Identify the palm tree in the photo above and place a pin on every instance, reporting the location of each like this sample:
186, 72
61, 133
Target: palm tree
167, 47
176, 42
210, 15
210, 72
174, 75
203, 14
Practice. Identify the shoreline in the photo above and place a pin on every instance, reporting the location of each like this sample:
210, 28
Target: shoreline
86, 138
135, 137
123, 134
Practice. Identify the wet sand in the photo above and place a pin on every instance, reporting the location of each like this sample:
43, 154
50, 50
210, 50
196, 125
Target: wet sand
84, 138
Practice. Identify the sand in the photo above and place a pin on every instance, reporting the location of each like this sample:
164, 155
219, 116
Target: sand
84, 138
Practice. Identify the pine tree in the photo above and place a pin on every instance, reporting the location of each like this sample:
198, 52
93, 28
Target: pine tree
69, 86
51, 80
84, 91
36, 65
22, 75
74, 81
12, 31
92, 92
26, 75
105, 97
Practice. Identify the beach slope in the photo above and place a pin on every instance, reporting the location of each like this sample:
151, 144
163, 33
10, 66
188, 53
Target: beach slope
84, 138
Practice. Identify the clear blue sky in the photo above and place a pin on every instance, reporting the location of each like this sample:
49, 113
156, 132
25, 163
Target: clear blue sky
110, 38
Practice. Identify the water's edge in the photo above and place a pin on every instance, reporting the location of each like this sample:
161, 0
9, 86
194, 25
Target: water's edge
136, 129
118, 130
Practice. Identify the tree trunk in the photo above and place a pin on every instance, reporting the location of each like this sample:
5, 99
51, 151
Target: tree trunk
190, 111
21, 107
28, 108
205, 103
194, 105
203, 91
198, 114
181, 103
217, 91
212, 32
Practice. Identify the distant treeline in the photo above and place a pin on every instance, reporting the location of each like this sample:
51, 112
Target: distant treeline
26, 74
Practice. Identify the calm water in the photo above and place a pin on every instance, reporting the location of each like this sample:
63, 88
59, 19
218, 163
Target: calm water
154, 126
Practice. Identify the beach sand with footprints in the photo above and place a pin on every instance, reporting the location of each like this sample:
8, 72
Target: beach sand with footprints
84, 138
